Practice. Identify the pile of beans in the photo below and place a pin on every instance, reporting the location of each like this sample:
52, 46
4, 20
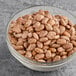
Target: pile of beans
43, 37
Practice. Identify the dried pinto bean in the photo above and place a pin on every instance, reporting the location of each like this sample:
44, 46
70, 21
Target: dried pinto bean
20, 41
18, 47
22, 52
13, 40
28, 23
56, 58
41, 12
61, 41
72, 30
66, 34
68, 46
38, 50
70, 23
43, 33
25, 44
31, 40
41, 27
28, 16
51, 35
53, 50
68, 27
34, 53
55, 45
74, 43
38, 17
31, 47
49, 27
47, 42
43, 39
41, 60
62, 29
56, 29
35, 35
52, 42
73, 37
56, 37
65, 37
48, 15
30, 34
63, 53
28, 54
45, 47
45, 20
49, 60
51, 22
53, 55
19, 35
16, 29
39, 56
25, 34
48, 54
64, 20
60, 49
30, 29
39, 44
72, 51
63, 57
36, 24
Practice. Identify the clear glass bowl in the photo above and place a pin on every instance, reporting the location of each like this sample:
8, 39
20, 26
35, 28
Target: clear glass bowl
33, 64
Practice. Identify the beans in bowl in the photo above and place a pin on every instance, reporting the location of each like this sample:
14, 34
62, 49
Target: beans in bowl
43, 37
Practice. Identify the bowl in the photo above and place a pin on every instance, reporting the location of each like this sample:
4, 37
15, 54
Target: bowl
38, 66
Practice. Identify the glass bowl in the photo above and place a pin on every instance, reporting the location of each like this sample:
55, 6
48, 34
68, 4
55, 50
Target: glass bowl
38, 66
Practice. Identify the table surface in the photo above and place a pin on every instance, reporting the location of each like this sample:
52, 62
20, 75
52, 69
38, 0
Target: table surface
9, 66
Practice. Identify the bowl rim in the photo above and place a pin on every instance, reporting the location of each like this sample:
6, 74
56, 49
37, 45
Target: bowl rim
42, 64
